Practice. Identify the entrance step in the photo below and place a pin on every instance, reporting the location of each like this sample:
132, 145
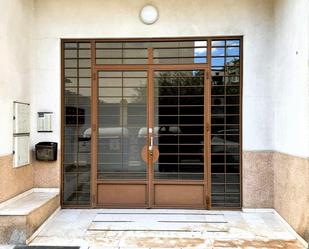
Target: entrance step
22, 215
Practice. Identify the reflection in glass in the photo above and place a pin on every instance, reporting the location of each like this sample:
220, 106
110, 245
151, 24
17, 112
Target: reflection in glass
225, 120
179, 124
122, 120
77, 120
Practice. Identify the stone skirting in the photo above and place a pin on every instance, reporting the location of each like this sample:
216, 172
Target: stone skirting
280, 181
38, 174
46, 174
258, 179
14, 181
291, 191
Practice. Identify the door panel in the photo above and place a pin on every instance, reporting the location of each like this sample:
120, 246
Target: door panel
151, 133
179, 124
184, 195
118, 195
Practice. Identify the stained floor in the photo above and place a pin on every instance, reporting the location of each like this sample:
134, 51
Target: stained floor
165, 228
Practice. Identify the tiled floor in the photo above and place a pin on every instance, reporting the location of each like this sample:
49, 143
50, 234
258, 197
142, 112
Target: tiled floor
158, 228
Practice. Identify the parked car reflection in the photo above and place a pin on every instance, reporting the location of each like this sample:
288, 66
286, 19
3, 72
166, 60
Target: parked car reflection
179, 152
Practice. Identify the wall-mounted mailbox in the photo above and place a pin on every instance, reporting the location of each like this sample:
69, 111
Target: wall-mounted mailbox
45, 121
46, 151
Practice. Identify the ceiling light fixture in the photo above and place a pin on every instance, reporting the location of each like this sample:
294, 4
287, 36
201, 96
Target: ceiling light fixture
149, 14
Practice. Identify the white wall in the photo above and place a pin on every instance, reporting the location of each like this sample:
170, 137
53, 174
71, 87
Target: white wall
291, 73
57, 19
15, 67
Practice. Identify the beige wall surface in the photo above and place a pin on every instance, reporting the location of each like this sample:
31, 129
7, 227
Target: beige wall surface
14, 181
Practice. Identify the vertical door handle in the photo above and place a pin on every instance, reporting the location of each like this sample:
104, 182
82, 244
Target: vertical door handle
151, 145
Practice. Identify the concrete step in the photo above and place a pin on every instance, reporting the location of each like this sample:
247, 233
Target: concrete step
22, 215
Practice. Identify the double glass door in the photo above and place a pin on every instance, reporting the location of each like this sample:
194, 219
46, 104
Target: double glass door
151, 137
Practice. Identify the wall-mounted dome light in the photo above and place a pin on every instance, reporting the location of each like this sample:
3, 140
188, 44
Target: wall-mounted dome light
149, 14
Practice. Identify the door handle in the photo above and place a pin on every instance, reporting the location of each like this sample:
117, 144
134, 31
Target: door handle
151, 146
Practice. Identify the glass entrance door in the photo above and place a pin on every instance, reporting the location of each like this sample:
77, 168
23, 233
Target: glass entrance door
179, 100
150, 138
122, 133
179, 124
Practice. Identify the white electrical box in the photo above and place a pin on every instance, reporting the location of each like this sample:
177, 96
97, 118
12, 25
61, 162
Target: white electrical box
44, 122
21, 151
21, 118
21, 134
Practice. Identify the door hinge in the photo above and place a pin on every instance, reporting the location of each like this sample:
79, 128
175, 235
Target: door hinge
207, 200
94, 75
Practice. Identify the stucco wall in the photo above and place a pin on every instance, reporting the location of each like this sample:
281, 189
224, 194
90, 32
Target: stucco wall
15, 66
291, 78
15, 80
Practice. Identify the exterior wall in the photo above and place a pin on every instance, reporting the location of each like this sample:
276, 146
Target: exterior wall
15, 70
291, 195
291, 85
291, 99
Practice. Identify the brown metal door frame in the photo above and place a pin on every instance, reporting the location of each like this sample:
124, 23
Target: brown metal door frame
150, 181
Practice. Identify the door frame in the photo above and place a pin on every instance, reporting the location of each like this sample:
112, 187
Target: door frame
150, 181
93, 41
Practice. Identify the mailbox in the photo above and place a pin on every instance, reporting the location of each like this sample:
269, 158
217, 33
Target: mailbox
46, 151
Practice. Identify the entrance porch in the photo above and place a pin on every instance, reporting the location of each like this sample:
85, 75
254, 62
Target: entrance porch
165, 228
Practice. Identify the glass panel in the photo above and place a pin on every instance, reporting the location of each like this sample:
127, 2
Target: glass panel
217, 51
218, 43
232, 43
225, 120
180, 60
232, 51
122, 124
77, 132
179, 127
169, 52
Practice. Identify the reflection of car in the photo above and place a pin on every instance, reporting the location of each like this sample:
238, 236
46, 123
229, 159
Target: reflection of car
112, 141
178, 152
108, 132
232, 140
